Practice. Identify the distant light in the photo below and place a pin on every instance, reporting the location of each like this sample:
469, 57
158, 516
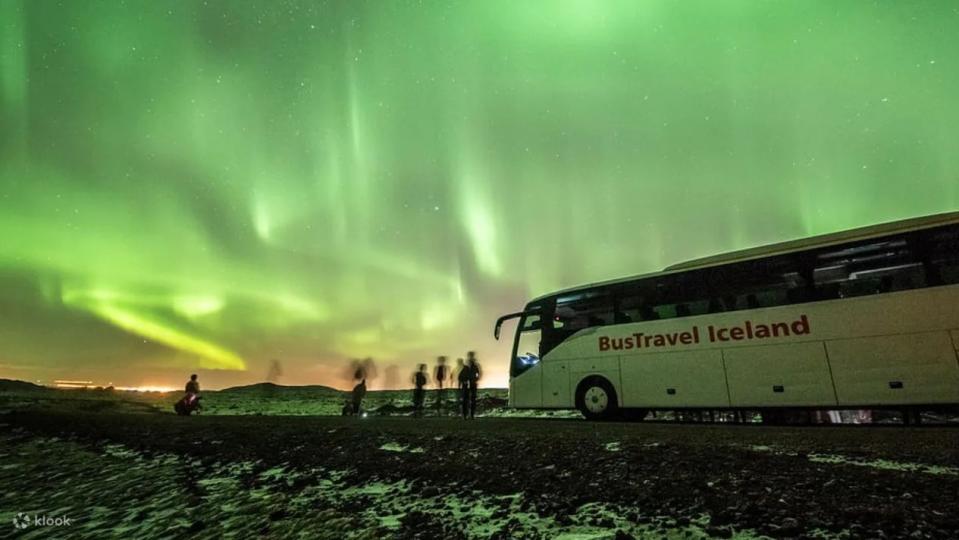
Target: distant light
145, 388
60, 383
363, 415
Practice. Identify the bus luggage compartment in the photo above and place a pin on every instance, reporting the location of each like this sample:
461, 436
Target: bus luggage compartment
918, 368
787, 375
674, 379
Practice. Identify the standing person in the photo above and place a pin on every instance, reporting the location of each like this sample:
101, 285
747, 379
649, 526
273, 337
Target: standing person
462, 377
440, 373
358, 392
193, 392
192, 386
474, 375
419, 381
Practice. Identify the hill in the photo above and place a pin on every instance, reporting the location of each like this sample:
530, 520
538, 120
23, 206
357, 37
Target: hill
270, 388
10, 385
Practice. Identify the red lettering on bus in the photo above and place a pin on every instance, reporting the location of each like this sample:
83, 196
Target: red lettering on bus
748, 330
801, 327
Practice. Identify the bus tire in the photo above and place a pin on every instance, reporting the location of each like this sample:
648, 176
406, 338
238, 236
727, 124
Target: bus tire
596, 399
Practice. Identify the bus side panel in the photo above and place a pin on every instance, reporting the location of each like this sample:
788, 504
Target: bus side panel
786, 375
677, 379
526, 390
556, 384
604, 366
911, 368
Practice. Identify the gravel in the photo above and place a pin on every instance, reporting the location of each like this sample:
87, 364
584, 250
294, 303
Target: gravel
540, 478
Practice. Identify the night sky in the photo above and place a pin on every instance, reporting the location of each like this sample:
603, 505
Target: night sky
207, 186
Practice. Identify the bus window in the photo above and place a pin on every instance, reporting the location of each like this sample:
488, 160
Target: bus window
629, 307
583, 310
942, 254
665, 311
754, 284
874, 267
769, 298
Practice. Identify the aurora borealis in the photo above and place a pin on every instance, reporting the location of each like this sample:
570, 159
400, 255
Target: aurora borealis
212, 185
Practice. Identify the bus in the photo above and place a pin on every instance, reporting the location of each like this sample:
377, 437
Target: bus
860, 319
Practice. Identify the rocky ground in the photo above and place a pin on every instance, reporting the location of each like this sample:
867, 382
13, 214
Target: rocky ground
139, 473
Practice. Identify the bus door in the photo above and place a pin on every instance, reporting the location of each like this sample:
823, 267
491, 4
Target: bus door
526, 379
526, 349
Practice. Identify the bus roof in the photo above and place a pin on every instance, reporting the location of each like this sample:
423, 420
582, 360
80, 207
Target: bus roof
781, 248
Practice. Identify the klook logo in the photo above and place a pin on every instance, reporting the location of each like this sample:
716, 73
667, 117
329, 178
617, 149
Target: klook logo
21, 521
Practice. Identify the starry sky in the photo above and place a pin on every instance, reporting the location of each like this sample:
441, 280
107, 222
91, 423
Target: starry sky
209, 186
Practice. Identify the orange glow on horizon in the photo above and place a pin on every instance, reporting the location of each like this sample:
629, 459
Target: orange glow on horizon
146, 388
67, 384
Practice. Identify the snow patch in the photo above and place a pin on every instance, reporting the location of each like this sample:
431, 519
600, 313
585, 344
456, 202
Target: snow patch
885, 464
397, 447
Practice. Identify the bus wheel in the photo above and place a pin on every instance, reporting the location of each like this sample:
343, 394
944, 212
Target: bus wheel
596, 399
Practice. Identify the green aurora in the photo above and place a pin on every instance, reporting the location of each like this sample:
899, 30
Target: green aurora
212, 185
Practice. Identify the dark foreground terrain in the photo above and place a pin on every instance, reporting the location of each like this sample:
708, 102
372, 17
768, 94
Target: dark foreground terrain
146, 475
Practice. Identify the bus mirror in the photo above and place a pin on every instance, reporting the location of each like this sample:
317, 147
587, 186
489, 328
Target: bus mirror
504, 318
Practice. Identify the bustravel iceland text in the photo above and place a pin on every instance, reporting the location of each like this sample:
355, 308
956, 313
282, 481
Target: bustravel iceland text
714, 334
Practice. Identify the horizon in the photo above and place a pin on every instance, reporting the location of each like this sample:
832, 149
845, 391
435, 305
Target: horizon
167, 390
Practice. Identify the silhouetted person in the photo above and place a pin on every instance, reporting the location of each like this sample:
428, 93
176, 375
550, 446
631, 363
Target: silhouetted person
275, 372
192, 398
192, 386
473, 375
419, 381
361, 369
462, 379
440, 374
358, 392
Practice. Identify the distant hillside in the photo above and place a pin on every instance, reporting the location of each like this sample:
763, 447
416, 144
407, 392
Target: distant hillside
270, 388
8, 385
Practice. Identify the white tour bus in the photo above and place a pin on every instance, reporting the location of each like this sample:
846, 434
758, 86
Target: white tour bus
861, 319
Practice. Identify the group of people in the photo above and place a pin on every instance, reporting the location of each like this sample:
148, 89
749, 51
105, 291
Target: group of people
467, 374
